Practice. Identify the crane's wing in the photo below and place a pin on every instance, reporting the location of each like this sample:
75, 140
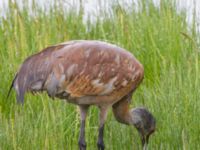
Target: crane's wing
86, 69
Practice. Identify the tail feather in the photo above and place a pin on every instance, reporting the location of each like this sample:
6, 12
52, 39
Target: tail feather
11, 86
20, 96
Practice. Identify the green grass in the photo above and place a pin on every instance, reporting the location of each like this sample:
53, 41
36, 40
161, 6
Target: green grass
159, 37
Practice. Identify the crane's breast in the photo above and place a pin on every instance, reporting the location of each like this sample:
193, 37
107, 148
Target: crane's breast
92, 70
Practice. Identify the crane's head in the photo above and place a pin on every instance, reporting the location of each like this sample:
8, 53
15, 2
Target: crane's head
144, 122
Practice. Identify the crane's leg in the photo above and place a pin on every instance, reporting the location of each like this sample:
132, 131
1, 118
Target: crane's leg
102, 118
83, 111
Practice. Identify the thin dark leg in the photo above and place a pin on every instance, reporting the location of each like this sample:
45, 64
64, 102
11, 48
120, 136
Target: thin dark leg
103, 115
82, 143
100, 142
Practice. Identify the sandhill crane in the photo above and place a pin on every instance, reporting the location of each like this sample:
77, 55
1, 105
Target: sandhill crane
88, 73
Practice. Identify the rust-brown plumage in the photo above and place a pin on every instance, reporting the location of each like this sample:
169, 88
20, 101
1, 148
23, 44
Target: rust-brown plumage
87, 73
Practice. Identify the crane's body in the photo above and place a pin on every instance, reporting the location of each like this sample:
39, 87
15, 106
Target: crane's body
84, 73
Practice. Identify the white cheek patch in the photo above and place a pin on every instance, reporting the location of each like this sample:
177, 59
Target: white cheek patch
136, 119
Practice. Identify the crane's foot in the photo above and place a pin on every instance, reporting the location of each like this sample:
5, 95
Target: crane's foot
100, 146
82, 145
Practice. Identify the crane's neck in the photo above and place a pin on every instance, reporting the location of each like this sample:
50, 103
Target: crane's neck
122, 112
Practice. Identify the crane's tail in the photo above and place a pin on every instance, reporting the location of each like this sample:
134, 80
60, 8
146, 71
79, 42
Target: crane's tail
11, 86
